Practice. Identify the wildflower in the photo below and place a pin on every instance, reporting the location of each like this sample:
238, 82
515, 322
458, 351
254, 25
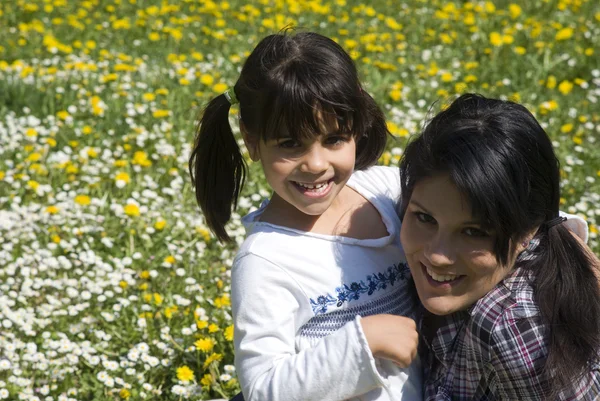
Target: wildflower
220, 87
229, 333
185, 374
205, 344
514, 10
52, 209
496, 39
564, 34
170, 260
160, 113
206, 79
124, 393
82, 200
206, 380
63, 115
160, 224
566, 128
131, 209
213, 328
212, 358
565, 87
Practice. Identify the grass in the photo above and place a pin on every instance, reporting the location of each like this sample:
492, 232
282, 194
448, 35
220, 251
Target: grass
111, 286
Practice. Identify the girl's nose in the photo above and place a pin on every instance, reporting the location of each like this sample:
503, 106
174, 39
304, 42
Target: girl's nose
315, 160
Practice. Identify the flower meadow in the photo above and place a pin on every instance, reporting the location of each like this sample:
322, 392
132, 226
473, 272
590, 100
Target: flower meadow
111, 285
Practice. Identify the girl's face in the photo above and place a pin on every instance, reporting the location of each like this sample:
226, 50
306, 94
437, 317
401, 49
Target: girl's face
307, 175
449, 253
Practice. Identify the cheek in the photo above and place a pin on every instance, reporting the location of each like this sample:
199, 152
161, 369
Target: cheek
411, 237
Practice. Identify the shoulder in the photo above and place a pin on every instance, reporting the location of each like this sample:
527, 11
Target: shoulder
378, 180
507, 316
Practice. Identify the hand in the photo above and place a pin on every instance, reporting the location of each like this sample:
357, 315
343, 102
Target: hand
392, 337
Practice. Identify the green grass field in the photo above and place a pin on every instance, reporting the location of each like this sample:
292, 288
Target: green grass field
111, 286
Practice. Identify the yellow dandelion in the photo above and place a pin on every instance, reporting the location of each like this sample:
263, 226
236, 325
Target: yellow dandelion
212, 358
145, 274
124, 393
566, 128
206, 380
170, 259
565, 87
205, 344
564, 34
202, 324
158, 299
229, 333
160, 224
83, 200
185, 374
160, 113
63, 115
207, 79
131, 209
514, 10
121, 176
213, 328
496, 39
220, 87
148, 97
52, 209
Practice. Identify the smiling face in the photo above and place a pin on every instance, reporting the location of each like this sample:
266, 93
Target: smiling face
449, 252
307, 175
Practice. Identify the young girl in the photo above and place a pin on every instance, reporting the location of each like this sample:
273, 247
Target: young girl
512, 296
320, 295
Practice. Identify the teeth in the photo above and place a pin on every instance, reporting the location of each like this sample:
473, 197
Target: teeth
310, 186
442, 277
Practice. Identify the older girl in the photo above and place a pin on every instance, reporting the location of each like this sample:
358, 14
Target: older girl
512, 298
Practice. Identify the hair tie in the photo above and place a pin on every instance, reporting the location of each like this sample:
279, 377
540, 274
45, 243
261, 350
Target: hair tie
230, 95
555, 221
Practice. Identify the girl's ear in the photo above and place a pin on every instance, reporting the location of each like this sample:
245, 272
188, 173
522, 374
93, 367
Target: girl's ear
251, 143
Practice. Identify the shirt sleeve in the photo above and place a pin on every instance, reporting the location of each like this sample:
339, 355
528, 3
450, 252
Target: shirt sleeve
518, 357
266, 303
519, 354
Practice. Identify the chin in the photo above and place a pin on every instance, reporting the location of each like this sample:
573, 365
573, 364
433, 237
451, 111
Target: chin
441, 307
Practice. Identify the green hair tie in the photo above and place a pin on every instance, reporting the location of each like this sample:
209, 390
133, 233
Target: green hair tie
230, 95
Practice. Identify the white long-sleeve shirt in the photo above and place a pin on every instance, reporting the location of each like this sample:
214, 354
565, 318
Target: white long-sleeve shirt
297, 300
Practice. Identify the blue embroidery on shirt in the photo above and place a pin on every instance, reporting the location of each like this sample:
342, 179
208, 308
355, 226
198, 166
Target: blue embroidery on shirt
353, 292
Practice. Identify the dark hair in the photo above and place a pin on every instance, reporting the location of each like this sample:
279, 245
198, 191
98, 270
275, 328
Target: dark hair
498, 155
285, 81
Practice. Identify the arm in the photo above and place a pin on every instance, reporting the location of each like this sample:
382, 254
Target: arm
518, 357
266, 304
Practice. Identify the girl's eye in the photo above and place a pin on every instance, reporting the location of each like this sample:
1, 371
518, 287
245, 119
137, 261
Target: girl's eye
336, 139
425, 218
288, 144
475, 232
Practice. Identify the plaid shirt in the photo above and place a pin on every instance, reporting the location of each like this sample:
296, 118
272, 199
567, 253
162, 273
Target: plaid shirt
495, 351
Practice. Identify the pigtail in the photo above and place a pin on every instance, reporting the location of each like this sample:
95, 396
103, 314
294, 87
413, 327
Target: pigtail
372, 143
567, 290
217, 167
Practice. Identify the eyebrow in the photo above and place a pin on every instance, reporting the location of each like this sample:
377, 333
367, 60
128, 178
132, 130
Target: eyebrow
464, 223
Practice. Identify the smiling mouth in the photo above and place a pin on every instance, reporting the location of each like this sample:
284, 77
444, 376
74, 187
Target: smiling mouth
441, 279
314, 189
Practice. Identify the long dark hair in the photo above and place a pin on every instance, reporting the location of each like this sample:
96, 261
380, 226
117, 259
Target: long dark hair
498, 155
284, 82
